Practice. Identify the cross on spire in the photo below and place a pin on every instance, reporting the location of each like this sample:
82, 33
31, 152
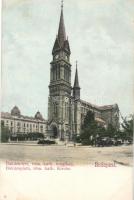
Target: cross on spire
76, 63
62, 2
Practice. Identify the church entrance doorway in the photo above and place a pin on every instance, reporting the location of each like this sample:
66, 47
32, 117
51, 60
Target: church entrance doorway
54, 132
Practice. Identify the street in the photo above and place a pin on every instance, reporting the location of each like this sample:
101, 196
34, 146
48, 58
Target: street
79, 155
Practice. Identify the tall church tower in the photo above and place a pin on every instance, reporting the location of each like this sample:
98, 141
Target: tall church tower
59, 102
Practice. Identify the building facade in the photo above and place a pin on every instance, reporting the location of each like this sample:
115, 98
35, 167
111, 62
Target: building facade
18, 123
66, 110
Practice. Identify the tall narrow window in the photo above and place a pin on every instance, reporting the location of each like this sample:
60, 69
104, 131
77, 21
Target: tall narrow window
52, 74
65, 110
56, 110
64, 73
59, 71
56, 72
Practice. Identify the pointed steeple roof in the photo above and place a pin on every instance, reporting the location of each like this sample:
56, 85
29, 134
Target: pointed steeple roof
76, 81
61, 31
56, 45
66, 46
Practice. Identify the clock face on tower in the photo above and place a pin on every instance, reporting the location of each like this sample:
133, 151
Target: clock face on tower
55, 99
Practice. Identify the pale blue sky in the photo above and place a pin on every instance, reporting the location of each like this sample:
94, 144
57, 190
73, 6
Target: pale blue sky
101, 36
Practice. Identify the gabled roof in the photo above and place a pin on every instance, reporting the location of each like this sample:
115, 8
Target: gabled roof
90, 105
101, 108
66, 46
56, 45
106, 107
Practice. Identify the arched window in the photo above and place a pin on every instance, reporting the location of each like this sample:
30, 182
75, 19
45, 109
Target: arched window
55, 109
54, 73
64, 73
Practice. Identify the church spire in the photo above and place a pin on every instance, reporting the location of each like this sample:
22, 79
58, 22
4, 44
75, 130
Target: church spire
61, 41
76, 81
61, 31
76, 88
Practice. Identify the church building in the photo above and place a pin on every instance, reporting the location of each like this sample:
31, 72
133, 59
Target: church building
66, 109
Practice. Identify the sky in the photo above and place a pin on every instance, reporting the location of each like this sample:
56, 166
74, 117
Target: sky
101, 37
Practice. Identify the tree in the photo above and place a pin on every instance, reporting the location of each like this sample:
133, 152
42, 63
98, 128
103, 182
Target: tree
111, 131
90, 129
35, 136
127, 126
89, 118
5, 133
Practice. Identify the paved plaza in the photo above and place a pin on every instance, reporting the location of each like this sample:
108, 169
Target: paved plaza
74, 155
